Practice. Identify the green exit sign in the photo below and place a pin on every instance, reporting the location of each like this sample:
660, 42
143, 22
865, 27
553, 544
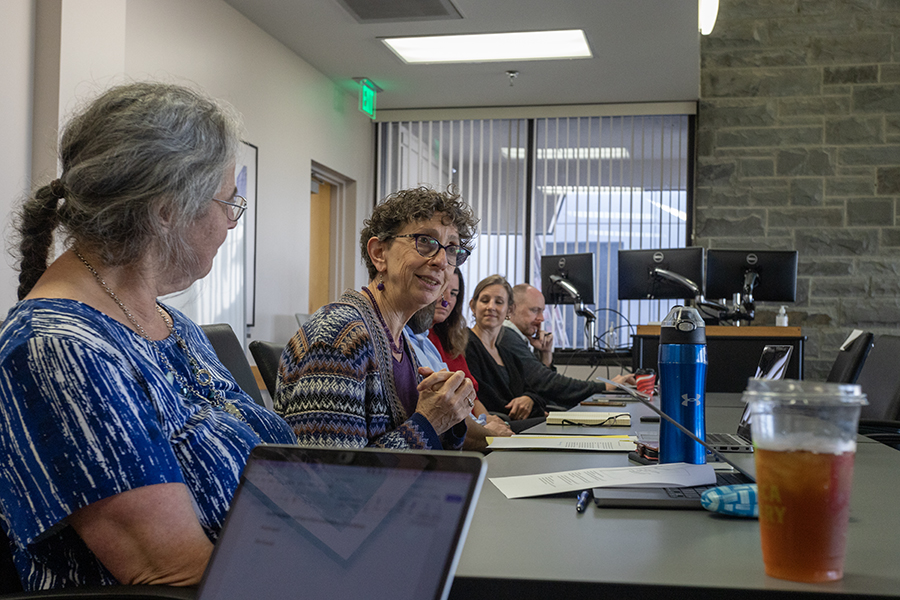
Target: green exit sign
367, 93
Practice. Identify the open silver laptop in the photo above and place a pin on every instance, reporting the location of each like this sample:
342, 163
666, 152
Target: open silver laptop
773, 364
319, 523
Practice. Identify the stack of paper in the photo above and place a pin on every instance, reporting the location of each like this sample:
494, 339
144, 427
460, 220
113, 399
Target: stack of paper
666, 475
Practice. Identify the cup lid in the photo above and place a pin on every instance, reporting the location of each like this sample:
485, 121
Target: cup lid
793, 391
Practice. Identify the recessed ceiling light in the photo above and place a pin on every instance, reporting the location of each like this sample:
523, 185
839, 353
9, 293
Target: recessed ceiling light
491, 47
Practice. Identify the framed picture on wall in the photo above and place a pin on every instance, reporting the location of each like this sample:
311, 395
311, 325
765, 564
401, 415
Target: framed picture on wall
245, 171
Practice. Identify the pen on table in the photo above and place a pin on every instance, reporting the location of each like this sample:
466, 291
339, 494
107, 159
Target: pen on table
582, 501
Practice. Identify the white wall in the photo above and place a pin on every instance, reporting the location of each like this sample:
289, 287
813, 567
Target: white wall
291, 112
16, 70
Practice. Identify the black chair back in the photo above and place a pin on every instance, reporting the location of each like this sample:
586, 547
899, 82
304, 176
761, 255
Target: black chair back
849, 361
9, 575
267, 356
229, 350
880, 379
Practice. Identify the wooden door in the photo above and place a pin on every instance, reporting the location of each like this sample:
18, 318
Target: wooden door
320, 247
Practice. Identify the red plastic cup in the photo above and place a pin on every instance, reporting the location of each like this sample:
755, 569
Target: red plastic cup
646, 383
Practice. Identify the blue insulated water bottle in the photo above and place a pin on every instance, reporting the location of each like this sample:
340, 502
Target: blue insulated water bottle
682, 385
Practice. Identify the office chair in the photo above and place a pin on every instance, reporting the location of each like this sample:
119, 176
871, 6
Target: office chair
267, 356
879, 379
9, 575
850, 360
231, 353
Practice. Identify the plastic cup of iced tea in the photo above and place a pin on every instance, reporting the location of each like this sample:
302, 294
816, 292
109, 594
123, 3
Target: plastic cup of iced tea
804, 434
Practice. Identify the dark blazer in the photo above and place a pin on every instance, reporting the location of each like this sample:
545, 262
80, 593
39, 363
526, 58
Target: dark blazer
498, 385
543, 380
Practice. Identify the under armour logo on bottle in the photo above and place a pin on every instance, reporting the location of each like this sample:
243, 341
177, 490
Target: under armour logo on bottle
686, 400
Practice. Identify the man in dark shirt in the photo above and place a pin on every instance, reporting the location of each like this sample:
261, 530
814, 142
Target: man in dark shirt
522, 335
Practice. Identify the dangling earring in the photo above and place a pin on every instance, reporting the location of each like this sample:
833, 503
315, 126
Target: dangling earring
380, 285
444, 303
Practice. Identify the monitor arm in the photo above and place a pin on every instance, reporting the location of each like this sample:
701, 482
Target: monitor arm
679, 279
580, 309
744, 308
751, 278
740, 311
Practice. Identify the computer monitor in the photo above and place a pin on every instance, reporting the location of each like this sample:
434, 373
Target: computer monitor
664, 274
763, 275
568, 278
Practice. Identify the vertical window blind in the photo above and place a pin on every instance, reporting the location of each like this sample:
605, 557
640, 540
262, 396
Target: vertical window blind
553, 186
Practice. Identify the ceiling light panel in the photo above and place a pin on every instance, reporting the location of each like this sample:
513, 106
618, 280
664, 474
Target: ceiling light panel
491, 47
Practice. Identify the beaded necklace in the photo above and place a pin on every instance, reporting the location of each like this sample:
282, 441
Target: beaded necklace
203, 377
397, 348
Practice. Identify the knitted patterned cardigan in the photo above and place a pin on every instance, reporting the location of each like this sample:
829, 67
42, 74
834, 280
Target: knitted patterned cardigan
336, 384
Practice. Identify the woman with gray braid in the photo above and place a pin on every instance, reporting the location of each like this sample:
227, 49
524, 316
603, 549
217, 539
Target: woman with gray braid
122, 436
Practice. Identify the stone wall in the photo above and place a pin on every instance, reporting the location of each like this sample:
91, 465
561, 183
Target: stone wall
798, 136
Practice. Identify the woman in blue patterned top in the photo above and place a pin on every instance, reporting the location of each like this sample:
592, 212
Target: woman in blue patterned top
122, 436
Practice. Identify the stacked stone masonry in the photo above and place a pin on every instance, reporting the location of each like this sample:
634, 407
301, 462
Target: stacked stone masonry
798, 135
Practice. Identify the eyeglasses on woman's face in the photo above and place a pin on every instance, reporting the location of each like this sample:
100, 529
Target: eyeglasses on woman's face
234, 210
428, 247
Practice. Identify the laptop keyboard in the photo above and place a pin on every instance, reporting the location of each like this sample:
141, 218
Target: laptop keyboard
725, 439
692, 493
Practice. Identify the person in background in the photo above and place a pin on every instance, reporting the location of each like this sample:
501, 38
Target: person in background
522, 336
500, 374
122, 436
348, 378
479, 428
450, 336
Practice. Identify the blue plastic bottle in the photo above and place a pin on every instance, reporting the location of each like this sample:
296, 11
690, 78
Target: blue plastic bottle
682, 385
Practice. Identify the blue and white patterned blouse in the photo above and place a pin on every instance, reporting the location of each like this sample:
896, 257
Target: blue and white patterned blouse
86, 412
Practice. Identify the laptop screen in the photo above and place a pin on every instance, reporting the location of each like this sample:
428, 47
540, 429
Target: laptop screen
319, 523
773, 364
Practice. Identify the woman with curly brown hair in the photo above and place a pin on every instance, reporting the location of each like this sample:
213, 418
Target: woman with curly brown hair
348, 378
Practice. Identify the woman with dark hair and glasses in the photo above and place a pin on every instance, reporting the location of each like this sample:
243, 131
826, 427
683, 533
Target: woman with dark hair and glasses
122, 436
348, 377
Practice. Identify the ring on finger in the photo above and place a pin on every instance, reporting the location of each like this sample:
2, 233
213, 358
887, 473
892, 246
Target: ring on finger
471, 401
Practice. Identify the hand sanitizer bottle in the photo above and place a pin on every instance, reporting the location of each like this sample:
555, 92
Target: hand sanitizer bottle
781, 319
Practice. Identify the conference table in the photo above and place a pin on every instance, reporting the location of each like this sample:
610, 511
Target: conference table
542, 548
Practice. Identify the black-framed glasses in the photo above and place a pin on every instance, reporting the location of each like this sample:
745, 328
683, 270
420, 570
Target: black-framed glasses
235, 209
427, 246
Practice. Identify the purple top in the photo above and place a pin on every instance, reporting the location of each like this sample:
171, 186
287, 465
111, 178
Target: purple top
406, 381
